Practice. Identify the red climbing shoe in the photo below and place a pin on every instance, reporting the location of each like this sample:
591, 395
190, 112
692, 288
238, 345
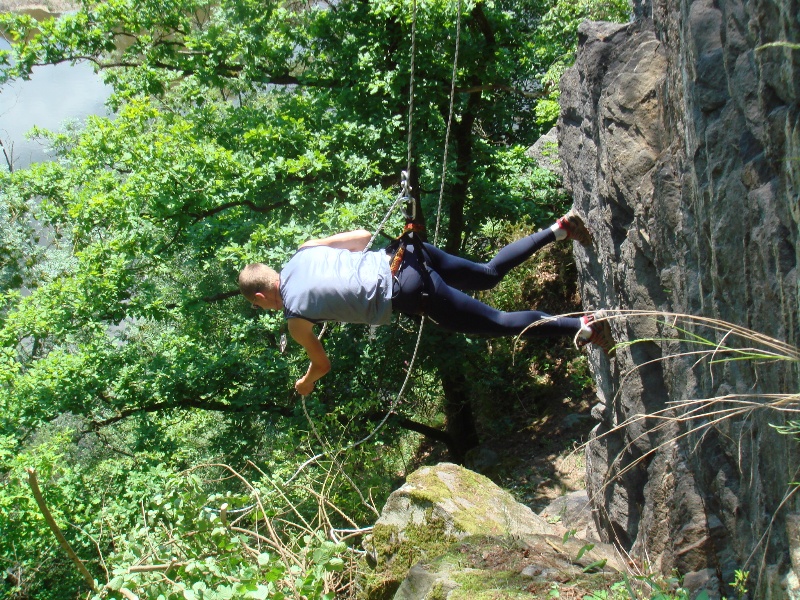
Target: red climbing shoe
601, 333
576, 230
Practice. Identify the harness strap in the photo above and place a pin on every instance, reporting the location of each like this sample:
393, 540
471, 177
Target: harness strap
402, 240
396, 261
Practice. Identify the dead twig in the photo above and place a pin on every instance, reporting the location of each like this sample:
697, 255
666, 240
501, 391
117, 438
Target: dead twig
51, 522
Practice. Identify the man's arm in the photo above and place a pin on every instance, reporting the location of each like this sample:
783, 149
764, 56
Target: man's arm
303, 333
355, 241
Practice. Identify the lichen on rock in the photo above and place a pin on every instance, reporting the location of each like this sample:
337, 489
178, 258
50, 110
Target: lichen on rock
446, 522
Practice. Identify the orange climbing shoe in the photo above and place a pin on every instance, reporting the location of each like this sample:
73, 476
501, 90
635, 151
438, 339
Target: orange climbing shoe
600, 334
576, 230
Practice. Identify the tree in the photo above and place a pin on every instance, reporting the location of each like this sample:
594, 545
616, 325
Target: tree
241, 129
164, 202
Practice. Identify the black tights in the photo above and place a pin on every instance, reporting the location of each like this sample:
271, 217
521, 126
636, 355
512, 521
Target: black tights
448, 277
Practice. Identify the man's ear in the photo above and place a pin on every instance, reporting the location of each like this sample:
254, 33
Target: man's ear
259, 296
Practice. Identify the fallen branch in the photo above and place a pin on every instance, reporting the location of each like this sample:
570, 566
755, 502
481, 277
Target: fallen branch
37, 494
153, 568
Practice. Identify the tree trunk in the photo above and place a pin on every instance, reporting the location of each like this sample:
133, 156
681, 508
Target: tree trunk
462, 136
458, 411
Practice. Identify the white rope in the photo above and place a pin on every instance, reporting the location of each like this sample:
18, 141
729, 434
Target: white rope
438, 210
411, 82
400, 198
405, 190
396, 401
449, 123
403, 196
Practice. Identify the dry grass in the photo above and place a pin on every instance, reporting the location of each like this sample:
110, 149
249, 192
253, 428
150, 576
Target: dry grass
720, 342
732, 343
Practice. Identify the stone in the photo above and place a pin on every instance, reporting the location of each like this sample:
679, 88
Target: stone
452, 502
573, 511
545, 152
679, 138
504, 567
446, 515
482, 460
705, 580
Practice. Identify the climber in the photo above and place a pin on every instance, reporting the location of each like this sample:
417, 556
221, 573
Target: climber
332, 279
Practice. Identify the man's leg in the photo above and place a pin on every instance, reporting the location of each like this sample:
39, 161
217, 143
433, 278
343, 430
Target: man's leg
464, 274
454, 310
459, 312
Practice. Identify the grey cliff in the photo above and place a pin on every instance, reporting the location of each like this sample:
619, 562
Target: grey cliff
679, 139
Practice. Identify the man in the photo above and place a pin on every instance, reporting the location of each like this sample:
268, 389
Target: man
333, 279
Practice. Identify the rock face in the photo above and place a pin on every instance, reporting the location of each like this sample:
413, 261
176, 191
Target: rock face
680, 141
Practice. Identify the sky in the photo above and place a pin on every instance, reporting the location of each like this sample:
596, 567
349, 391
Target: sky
53, 95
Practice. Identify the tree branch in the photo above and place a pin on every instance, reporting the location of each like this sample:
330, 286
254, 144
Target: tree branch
9, 157
187, 403
484, 26
51, 522
211, 299
152, 568
491, 87
222, 69
221, 296
222, 207
426, 430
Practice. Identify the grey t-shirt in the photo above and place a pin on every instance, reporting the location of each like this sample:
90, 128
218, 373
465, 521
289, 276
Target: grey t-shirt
321, 283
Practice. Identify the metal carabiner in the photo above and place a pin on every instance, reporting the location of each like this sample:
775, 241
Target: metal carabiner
410, 208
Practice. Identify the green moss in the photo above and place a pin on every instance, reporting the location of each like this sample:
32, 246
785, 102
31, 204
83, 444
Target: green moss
480, 491
438, 592
490, 585
453, 502
429, 487
396, 551
395, 555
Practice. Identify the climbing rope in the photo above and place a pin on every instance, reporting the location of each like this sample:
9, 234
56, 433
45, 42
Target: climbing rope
449, 123
410, 140
405, 191
404, 197
405, 185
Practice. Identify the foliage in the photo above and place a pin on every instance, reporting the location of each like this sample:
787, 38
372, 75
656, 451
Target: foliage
739, 583
240, 130
184, 548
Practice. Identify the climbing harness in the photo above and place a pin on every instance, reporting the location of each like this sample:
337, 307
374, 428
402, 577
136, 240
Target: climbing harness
400, 243
411, 231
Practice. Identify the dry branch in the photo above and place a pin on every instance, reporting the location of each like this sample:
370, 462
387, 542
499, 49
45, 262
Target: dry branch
51, 522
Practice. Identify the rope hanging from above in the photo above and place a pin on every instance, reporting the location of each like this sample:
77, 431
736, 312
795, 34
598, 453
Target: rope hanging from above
449, 123
405, 196
405, 188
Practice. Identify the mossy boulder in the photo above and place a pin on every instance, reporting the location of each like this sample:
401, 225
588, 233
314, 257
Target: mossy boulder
435, 509
506, 568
